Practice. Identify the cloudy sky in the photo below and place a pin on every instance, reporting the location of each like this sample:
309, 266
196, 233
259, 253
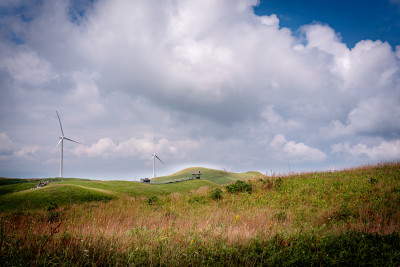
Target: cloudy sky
228, 84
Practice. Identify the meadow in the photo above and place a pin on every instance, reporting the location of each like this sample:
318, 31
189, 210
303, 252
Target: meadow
348, 217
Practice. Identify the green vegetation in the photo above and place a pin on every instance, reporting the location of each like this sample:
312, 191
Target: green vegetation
239, 186
60, 195
216, 194
349, 217
215, 176
19, 195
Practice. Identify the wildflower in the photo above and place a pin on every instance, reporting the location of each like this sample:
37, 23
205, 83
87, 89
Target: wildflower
237, 218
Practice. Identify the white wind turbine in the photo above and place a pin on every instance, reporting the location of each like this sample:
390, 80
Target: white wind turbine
62, 145
154, 159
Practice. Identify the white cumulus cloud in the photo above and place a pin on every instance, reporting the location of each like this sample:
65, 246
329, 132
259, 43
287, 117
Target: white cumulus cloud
385, 150
296, 152
210, 79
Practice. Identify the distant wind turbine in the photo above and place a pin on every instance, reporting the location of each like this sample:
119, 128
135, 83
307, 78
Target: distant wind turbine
62, 138
154, 159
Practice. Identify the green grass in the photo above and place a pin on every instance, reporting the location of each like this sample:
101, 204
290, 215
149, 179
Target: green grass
59, 194
215, 176
142, 189
19, 195
6, 181
349, 217
16, 186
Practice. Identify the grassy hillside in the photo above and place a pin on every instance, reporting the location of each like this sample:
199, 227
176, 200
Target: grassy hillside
17, 194
52, 194
343, 218
215, 176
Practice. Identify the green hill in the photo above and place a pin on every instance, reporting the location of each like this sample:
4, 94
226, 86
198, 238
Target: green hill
57, 194
17, 194
214, 176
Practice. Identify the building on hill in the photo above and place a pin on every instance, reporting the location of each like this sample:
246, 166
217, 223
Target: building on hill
145, 180
42, 183
196, 175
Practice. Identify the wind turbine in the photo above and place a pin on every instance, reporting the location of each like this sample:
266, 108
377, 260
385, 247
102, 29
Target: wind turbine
62, 138
154, 159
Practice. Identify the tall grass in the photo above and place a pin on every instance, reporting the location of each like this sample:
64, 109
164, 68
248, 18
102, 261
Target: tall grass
349, 217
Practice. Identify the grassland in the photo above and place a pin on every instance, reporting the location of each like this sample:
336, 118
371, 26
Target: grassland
349, 217
214, 176
17, 194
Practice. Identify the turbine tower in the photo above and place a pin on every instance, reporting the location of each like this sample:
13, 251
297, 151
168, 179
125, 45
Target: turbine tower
62, 137
154, 159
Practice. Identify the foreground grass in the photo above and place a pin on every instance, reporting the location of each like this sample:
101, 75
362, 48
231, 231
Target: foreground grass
350, 217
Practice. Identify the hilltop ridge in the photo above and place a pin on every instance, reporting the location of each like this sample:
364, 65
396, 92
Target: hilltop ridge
215, 176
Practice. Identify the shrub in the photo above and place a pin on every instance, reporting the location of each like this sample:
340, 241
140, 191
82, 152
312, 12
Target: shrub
239, 186
153, 200
216, 194
197, 199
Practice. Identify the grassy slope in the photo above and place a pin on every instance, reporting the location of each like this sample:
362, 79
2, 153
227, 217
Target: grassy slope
20, 196
344, 218
215, 176
58, 194
8, 185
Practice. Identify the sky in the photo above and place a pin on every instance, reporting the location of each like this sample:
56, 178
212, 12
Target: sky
241, 85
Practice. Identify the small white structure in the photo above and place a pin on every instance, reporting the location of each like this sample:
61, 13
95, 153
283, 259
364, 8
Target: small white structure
196, 175
145, 180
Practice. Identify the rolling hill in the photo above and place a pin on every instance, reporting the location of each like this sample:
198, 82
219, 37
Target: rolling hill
17, 194
215, 176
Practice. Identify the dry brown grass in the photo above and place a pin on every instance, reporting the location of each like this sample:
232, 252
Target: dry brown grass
317, 203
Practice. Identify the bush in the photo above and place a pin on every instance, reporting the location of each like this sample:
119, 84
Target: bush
216, 194
153, 200
239, 186
197, 199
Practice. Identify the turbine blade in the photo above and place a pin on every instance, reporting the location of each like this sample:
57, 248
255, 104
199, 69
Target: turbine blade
159, 159
73, 141
58, 144
60, 123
